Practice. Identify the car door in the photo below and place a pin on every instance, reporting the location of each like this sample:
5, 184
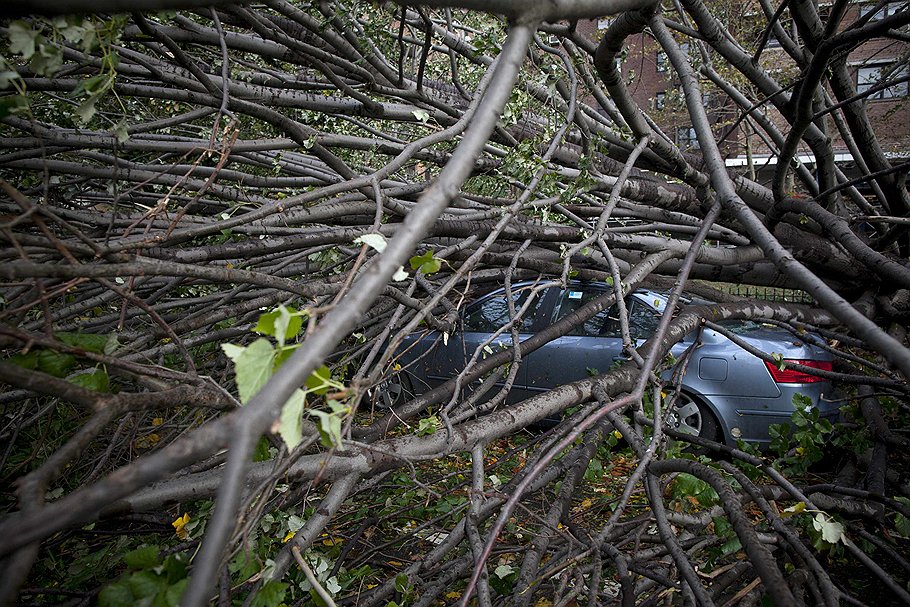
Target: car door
481, 320
591, 347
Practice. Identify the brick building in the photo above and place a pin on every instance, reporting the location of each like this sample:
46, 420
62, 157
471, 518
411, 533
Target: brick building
655, 86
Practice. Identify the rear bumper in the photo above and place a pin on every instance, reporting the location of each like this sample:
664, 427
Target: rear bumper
749, 418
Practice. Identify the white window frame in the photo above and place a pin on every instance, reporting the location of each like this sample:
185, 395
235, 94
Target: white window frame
867, 76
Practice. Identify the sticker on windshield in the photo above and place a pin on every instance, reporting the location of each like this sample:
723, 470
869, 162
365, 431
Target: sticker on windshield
574, 294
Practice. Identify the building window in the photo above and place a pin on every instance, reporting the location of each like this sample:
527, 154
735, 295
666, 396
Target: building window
686, 138
660, 100
892, 8
663, 62
686, 50
870, 75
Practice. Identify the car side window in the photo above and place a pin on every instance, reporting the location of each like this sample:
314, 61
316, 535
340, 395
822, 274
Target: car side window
603, 324
492, 313
642, 320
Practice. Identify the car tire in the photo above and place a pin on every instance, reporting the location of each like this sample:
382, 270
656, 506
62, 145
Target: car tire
392, 392
691, 416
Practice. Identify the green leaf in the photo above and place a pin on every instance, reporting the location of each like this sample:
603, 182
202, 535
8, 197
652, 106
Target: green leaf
283, 354
421, 115
74, 32
801, 401
402, 584
290, 424
686, 485
145, 557
12, 104
232, 351
175, 567
86, 110
21, 38
47, 61
295, 523
287, 325
329, 428
262, 453
7, 77
427, 426
55, 363
26, 361
244, 565
145, 584
318, 381
92, 86
90, 342
89, 40
282, 323
503, 571
111, 345
117, 594
425, 263
252, 366
270, 595
174, 592
121, 131
731, 546
901, 522
96, 380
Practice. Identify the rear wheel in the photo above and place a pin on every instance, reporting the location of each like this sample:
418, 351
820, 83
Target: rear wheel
690, 416
393, 391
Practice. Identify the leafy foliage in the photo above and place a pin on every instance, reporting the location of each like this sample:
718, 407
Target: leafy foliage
190, 198
807, 435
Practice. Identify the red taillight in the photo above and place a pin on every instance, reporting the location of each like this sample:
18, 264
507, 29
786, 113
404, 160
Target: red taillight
791, 376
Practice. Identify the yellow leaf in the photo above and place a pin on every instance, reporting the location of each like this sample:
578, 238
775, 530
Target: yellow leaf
157, 421
147, 442
586, 503
328, 542
453, 595
543, 602
180, 524
794, 509
617, 433
288, 537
